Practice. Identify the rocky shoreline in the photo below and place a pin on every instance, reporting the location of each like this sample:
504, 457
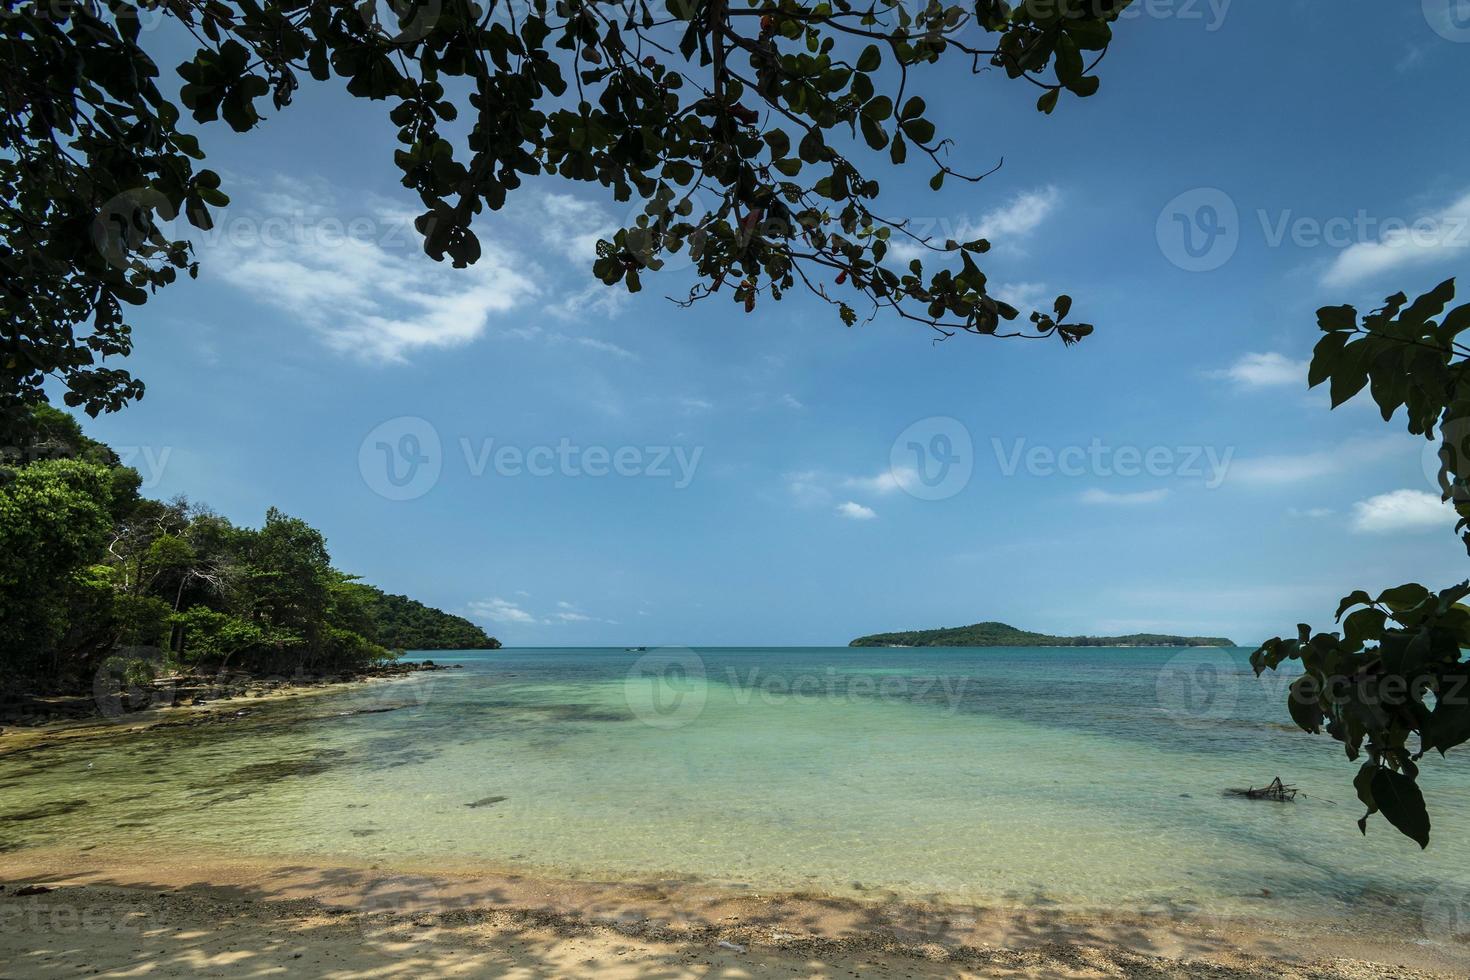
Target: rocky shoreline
116, 699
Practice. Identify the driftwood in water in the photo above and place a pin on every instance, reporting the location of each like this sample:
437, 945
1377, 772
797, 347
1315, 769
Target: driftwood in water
1278, 791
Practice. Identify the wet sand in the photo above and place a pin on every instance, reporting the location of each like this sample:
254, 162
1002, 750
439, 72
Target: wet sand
130, 914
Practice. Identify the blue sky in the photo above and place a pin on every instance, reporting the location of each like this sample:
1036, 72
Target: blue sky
1171, 473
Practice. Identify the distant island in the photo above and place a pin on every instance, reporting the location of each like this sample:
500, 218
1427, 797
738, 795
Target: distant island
1001, 635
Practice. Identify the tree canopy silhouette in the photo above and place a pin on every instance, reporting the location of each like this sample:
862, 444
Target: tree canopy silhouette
774, 110
1398, 669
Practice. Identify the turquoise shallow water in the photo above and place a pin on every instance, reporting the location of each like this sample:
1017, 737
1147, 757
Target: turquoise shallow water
1080, 778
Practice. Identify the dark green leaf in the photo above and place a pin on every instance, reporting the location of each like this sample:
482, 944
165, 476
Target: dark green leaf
1399, 800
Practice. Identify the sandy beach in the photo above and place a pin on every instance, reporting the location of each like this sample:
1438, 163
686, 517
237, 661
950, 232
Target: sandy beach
68, 911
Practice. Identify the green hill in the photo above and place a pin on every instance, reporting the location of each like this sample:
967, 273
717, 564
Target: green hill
401, 623
1001, 635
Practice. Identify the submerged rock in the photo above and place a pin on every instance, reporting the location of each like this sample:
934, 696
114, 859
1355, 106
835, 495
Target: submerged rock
487, 801
47, 810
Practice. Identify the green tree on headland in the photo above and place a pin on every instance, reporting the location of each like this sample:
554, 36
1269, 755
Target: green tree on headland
1394, 685
91, 573
404, 624
54, 526
768, 108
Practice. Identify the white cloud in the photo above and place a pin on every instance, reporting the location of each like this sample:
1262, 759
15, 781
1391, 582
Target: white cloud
1016, 219
1022, 295
554, 337
1311, 513
856, 512
499, 610
692, 404
606, 347
372, 302
1109, 498
596, 299
1021, 217
1433, 237
1277, 470
808, 488
356, 274
1264, 371
1413, 57
571, 225
886, 482
570, 613
1401, 510
765, 400
816, 488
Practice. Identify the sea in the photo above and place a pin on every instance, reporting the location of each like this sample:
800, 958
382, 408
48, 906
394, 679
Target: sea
1071, 778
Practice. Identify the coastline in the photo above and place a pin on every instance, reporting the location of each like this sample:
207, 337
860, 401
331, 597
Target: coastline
228, 703
177, 914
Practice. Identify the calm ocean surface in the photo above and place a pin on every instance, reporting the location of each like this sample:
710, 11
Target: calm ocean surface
1080, 778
